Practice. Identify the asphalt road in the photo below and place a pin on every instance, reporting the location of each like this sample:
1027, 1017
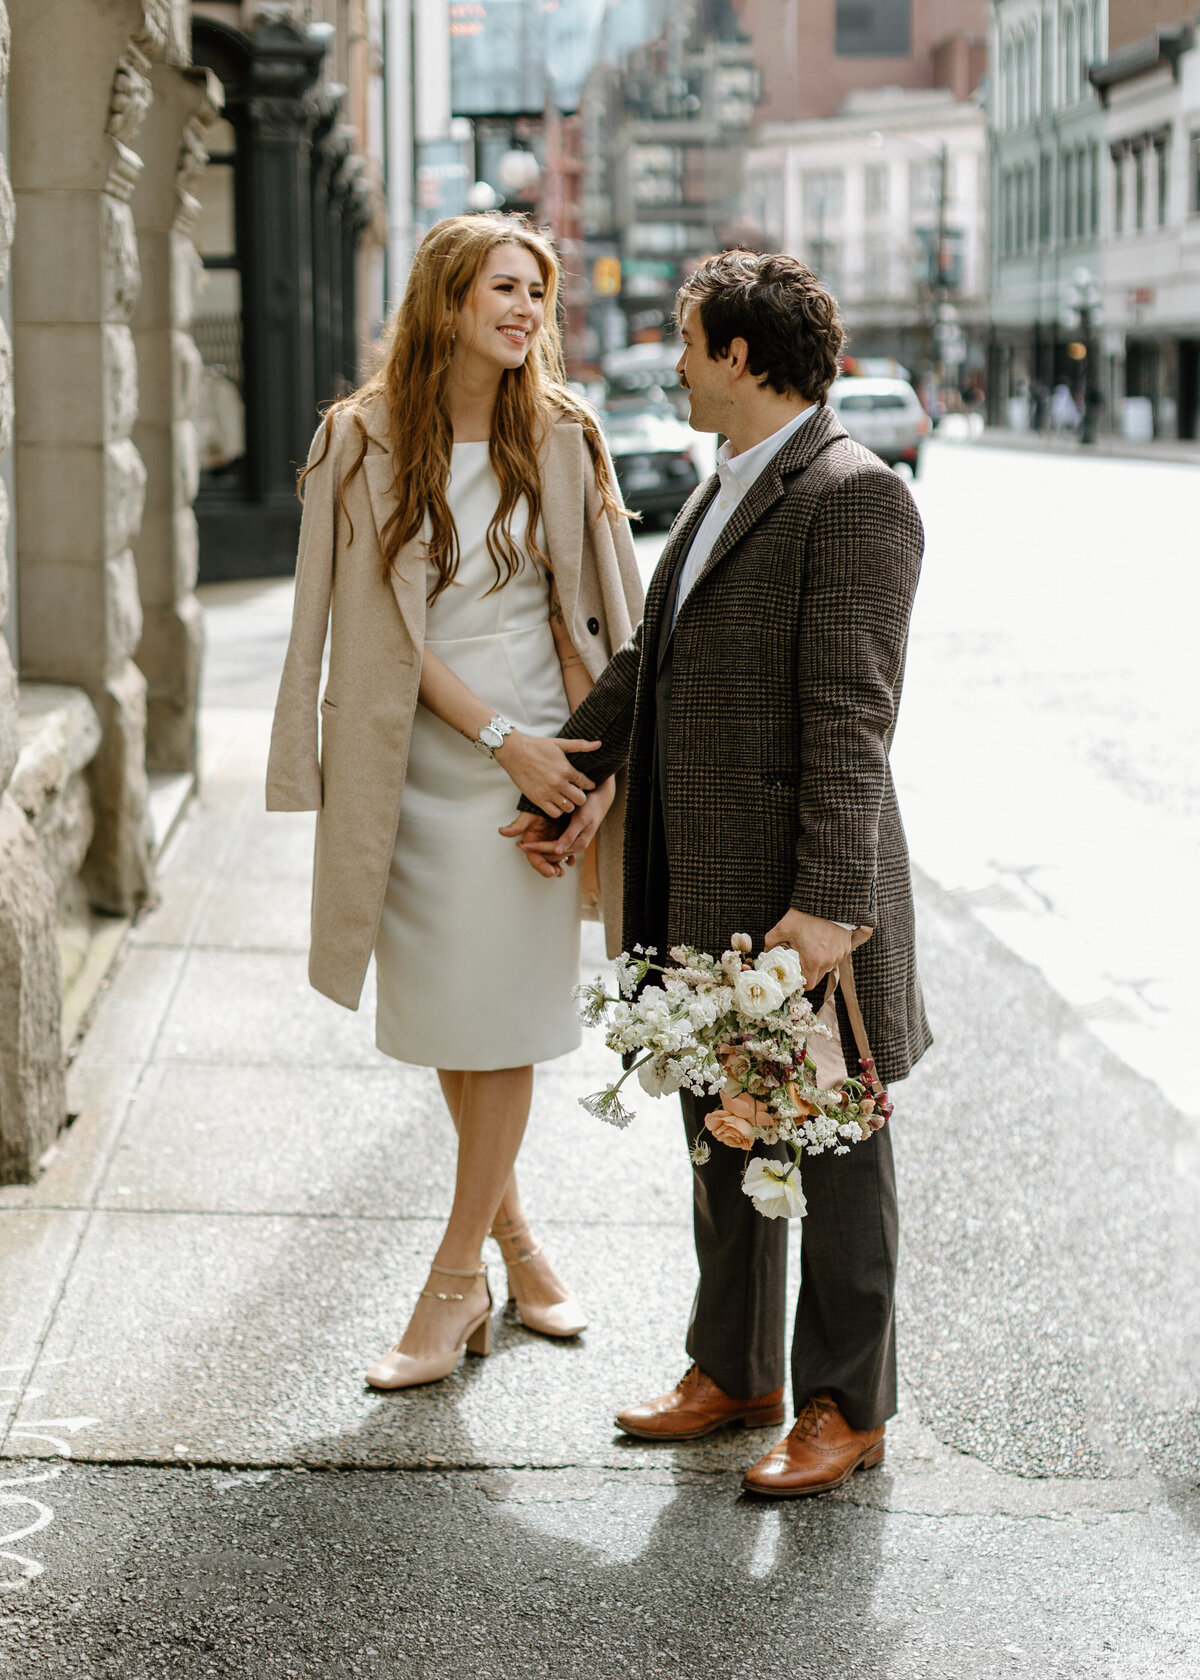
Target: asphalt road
194, 1483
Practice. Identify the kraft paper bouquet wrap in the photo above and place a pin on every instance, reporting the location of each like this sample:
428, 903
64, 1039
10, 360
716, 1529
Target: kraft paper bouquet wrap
740, 1028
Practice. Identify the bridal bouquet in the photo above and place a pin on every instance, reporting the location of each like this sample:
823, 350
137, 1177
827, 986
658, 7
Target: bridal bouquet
741, 1029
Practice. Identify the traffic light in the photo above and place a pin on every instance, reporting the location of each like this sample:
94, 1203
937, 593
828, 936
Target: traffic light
606, 276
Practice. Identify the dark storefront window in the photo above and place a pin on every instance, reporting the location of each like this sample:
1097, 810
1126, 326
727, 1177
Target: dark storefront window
217, 327
874, 28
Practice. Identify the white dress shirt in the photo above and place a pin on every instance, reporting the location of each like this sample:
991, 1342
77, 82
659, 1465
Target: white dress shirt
737, 475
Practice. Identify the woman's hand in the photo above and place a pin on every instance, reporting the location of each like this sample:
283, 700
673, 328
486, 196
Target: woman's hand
541, 769
548, 844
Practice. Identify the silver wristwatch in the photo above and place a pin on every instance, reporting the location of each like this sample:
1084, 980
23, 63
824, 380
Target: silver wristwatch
491, 736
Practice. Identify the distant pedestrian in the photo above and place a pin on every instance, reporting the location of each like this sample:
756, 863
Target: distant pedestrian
1064, 416
1039, 406
463, 542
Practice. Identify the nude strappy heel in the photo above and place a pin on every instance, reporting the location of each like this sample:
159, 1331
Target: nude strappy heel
402, 1370
562, 1319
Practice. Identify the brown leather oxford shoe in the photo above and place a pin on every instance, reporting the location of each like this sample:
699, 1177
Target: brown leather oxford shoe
695, 1407
820, 1453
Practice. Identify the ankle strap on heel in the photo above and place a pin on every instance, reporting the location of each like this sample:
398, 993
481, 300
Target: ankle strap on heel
451, 1271
513, 1236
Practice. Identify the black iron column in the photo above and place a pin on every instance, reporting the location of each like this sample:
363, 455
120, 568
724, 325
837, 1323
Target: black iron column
326, 347
280, 380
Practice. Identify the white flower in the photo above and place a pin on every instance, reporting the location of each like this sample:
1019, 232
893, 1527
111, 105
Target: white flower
628, 974
700, 1152
741, 942
774, 1188
783, 965
593, 1001
607, 1105
756, 994
703, 1010
656, 1080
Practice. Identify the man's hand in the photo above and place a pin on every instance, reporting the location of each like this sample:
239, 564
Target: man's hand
537, 836
819, 944
539, 766
549, 845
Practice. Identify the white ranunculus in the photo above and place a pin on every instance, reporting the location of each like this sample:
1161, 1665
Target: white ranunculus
783, 965
774, 1188
756, 994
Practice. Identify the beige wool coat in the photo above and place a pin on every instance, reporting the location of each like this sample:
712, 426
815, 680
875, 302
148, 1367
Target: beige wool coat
352, 772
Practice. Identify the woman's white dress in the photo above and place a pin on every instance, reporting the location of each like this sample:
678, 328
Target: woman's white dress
477, 955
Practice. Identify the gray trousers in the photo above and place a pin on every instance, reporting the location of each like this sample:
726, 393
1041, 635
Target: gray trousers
844, 1337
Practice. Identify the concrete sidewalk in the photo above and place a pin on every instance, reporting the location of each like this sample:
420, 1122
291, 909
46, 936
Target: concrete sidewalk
239, 1219
1180, 451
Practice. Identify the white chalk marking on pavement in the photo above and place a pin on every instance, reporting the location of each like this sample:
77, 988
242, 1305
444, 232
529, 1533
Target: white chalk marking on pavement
32, 1429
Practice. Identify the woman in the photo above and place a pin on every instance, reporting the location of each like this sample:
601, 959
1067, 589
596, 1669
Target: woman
463, 540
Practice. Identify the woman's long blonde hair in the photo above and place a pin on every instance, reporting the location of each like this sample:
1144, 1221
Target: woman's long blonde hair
412, 379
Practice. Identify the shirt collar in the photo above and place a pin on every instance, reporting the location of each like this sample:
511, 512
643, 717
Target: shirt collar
745, 468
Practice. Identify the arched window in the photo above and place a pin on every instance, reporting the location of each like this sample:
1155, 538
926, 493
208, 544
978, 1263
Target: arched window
1068, 57
1008, 91
1085, 49
1022, 93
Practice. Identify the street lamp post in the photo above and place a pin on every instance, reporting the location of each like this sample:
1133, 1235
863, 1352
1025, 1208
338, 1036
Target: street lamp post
1083, 313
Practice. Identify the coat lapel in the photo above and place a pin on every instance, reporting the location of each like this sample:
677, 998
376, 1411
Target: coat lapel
820, 430
408, 572
661, 594
563, 511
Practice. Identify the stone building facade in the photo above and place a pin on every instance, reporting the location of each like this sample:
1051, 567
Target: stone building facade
112, 124
99, 671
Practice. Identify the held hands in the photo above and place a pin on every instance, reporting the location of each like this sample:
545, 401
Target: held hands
542, 771
819, 944
548, 845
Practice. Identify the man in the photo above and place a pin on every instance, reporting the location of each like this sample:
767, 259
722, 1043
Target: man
756, 705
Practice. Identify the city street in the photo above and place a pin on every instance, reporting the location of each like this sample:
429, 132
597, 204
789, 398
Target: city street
194, 1481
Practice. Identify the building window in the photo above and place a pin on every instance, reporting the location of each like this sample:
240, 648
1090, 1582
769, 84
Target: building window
1139, 187
873, 28
876, 189
1194, 176
1022, 111
1093, 189
1085, 55
1047, 67
877, 272
1161, 156
1068, 58
823, 259
1081, 193
1068, 197
1045, 198
823, 195
1118, 163
1030, 209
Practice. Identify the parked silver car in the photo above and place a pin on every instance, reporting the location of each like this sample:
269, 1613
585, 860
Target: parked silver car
883, 414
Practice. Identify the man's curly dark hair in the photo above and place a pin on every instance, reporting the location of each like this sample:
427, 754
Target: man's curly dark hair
788, 319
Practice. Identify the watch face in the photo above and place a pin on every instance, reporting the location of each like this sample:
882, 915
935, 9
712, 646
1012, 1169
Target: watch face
491, 736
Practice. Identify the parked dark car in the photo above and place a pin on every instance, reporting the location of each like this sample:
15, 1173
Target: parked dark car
656, 455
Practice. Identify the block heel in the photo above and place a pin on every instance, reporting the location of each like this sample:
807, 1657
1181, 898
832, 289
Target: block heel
480, 1339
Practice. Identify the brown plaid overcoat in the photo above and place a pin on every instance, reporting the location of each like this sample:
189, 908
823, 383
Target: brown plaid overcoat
787, 662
